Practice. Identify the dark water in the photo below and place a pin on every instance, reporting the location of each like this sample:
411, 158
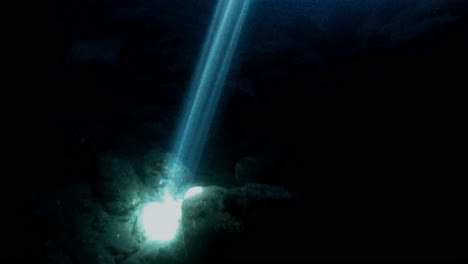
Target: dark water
354, 106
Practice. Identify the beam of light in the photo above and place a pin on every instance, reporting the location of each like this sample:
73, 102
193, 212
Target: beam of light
208, 81
161, 220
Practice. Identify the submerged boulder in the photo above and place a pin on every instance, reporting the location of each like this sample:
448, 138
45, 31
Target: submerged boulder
226, 224
206, 225
82, 231
254, 200
119, 186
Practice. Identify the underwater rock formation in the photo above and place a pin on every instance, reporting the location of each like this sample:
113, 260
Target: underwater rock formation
229, 224
119, 186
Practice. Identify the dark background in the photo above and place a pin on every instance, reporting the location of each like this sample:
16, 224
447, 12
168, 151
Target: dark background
355, 105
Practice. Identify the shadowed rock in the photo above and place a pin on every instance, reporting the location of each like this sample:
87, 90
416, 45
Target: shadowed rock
119, 187
241, 223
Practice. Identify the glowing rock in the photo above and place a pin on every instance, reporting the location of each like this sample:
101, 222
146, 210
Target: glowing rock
161, 220
193, 191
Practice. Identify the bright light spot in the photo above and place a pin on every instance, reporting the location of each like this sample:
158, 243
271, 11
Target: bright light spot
161, 220
193, 191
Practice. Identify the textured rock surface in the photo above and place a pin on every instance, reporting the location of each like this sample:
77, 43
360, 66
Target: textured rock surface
206, 225
157, 167
83, 232
227, 224
119, 187
218, 224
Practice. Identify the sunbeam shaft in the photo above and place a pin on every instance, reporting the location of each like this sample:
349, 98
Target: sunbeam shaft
208, 81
